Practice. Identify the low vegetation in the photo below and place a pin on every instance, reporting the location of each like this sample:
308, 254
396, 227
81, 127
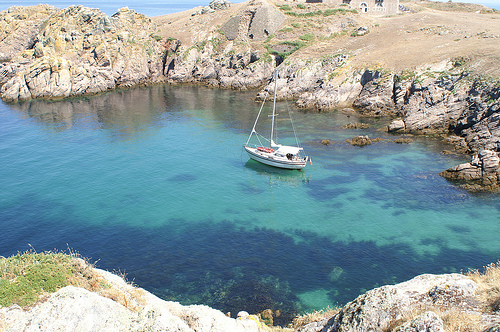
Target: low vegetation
489, 287
285, 48
24, 278
328, 12
315, 316
28, 277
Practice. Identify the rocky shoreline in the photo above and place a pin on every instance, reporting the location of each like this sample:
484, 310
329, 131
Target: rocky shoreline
448, 302
59, 53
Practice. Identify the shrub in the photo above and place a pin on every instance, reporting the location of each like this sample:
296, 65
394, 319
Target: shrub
156, 37
295, 46
307, 37
285, 7
268, 39
308, 14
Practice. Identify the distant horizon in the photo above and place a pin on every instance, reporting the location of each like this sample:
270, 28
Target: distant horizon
159, 7
488, 3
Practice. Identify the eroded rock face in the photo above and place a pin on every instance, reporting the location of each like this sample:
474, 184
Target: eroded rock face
78, 51
379, 308
431, 106
428, 322
376, 97
77, 309
19, 27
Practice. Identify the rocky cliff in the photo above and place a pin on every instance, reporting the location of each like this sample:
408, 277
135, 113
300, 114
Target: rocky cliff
425, 303
76, 51
450, 302
435, 69
128, 309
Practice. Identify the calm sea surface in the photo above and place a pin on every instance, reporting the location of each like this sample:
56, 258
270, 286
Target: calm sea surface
154, 182
147, 7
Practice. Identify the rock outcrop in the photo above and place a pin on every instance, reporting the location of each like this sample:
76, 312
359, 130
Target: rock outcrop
228, 61
418, 305
78, 51
359, 141
19, 27
409, 306
482, 173
77, 309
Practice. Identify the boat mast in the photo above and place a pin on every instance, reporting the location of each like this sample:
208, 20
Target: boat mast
274, 106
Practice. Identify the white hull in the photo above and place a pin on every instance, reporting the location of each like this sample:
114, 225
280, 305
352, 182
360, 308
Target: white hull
272, 159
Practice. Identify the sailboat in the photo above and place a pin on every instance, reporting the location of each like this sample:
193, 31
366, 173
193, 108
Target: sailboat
274, 154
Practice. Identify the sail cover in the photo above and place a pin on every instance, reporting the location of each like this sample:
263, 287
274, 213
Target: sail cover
284, 149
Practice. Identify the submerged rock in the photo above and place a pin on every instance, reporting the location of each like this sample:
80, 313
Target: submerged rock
359, 141
403, 140
357, 125
325, 142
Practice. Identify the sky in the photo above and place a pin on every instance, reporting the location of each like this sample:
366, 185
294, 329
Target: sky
147, 7
157, 7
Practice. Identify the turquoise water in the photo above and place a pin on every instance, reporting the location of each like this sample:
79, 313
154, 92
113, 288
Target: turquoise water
154, 182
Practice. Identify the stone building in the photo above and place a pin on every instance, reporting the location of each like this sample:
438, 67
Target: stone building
374, 7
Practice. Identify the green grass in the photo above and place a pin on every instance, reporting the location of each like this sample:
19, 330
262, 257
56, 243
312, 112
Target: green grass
156, 37
296, 45
268, 39
285, 7
25, 277
327, 12
308, 14
307, 37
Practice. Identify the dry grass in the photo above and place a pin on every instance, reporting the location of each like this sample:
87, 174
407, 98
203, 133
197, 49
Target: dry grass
453, 320
87, 277
314, 316
489, 286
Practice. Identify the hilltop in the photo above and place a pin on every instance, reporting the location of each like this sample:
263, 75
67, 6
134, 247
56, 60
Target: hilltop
426, 33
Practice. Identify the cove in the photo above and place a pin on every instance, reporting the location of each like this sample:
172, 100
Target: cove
154, 182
